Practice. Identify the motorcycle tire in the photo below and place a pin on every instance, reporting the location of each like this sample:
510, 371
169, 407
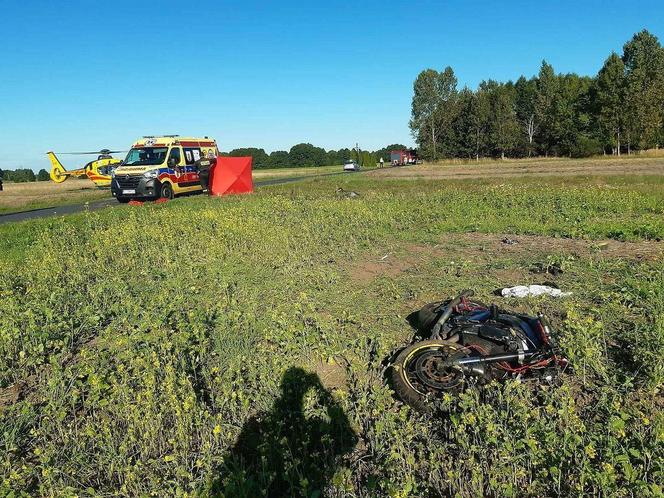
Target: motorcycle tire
417, 378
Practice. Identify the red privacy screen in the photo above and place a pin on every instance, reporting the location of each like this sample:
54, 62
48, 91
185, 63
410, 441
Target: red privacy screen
231, 175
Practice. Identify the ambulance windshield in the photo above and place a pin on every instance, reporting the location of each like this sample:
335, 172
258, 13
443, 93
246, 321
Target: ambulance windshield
146, 156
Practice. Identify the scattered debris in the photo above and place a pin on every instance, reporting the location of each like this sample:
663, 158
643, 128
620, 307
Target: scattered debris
600, 246
348, 194
135, 203
161, 200
533, 290
385, 257
17, 391
10, 395
550, 268
509, 241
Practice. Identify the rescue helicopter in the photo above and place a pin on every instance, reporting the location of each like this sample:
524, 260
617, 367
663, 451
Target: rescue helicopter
98, 170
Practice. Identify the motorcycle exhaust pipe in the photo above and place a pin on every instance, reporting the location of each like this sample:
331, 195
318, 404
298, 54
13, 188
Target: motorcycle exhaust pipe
438, 326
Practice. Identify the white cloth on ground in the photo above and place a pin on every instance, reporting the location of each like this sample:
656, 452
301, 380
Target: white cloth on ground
532, 290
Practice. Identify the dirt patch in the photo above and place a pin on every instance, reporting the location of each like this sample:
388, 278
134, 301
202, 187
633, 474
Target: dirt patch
388, 265
491, 246
17, 391
10, 395
538, 167
331, 374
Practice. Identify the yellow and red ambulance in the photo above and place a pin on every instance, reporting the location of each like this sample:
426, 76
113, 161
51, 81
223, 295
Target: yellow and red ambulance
161, 166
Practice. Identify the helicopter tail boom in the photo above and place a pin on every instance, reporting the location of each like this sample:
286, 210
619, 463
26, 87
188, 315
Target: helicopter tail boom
58, 172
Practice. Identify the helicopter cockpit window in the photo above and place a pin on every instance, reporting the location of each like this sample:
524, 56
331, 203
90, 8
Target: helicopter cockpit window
107, 170
146, 156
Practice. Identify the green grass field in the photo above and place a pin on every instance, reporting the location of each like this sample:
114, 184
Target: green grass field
235, 346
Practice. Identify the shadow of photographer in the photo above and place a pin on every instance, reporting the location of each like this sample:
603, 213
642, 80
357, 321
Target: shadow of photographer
291, 450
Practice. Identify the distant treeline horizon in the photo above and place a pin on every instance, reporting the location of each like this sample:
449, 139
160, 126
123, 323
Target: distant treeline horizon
307, 155
619, 110
299, 156
22, 175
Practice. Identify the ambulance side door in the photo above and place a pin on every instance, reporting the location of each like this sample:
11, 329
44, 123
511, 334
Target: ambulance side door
191, 155
175, 155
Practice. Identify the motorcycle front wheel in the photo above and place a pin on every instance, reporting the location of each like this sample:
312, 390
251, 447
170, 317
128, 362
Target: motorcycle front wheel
420, 376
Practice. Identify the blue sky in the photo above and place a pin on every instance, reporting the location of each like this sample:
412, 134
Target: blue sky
81, 75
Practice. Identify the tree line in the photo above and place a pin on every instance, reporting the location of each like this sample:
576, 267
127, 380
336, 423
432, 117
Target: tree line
23, 175
308, 155
619, 110
300, 155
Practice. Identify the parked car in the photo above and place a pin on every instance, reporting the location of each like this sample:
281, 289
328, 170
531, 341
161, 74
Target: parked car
351, 166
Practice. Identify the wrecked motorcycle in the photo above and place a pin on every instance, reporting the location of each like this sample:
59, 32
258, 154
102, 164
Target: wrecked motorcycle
470, 344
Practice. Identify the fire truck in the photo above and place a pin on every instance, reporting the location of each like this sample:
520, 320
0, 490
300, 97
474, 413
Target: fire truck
403, 157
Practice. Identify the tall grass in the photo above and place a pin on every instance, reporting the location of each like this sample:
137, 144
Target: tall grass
150, 346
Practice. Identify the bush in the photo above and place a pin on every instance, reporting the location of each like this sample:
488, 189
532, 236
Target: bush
586, 147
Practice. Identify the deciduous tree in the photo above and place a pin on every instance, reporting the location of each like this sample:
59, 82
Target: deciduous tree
433, 107
260, 159
307, 155
279, 159
526, 96
644, 89
610, 100
503, 126
545, 106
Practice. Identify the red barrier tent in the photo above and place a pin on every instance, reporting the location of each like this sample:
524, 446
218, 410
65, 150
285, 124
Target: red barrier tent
231, 175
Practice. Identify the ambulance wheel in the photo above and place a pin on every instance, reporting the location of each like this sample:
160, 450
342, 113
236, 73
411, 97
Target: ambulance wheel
123, 200
166, 191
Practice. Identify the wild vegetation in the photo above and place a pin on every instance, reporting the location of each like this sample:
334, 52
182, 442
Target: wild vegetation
620, 110
236, 346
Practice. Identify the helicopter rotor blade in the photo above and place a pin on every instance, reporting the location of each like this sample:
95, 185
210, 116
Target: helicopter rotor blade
103, 151
106, 151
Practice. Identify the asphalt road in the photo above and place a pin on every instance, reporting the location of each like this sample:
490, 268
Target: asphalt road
107, 203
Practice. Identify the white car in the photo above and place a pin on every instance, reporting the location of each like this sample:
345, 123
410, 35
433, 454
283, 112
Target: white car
351, 166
